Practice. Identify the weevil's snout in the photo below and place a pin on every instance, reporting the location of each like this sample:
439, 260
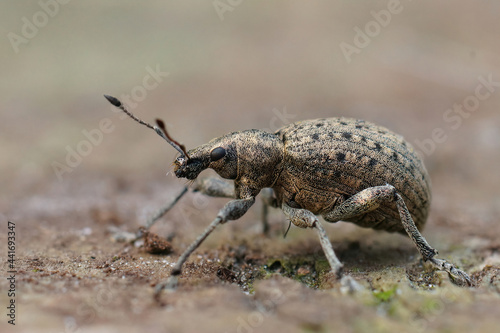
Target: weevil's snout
187, 168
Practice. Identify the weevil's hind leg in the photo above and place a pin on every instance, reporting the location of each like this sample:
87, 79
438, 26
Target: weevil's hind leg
428, 253
268, 200
370, 199
305, 219
233, 210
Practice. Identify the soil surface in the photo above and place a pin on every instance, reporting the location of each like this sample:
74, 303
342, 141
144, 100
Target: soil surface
71, 276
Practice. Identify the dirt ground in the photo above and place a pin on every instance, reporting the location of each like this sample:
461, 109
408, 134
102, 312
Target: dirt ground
72, 278
258, 65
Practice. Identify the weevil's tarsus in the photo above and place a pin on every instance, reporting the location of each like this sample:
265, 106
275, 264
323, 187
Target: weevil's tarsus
458, 276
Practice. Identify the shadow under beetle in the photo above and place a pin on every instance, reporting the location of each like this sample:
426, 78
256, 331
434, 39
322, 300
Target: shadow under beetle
340, 168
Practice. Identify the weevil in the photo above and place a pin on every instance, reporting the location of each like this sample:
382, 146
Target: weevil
341, 169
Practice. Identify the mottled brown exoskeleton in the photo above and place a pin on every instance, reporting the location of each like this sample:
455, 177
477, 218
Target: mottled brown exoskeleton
339, 168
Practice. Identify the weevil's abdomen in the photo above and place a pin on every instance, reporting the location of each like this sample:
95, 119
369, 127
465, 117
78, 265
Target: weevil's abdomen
328, 160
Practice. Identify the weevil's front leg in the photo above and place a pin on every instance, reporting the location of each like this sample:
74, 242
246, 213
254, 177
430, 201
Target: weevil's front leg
214, 187
305, 219
126, 236
233, 210
370, 199
162, 211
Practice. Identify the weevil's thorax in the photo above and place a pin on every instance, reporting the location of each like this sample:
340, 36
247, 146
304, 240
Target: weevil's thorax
260, 156
251, 158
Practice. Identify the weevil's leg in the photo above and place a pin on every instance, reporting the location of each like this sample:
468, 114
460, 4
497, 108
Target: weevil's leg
370, 199
305, 219
162, 211
214, 187
457, 275
125, 236
210, 186
268, 199
233, 210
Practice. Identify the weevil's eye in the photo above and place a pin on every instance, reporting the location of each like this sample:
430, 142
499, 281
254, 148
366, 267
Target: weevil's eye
217, 153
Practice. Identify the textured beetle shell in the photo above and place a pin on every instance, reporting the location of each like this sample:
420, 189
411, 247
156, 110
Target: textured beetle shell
326, 161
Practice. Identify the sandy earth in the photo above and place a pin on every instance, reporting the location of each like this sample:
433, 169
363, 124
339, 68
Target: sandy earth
72, 278
262, 66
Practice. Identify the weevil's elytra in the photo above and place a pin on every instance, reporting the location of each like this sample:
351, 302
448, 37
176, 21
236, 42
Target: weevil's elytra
340, 168
329, 160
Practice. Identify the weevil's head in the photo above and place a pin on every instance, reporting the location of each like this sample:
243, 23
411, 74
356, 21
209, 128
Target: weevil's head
251, 156
219, 154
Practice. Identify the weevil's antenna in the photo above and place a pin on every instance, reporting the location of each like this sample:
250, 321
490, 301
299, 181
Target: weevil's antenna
118, 104
178, 146
160, 129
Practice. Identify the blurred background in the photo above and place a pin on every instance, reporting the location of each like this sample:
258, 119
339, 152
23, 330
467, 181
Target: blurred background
225, 66
427, 70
